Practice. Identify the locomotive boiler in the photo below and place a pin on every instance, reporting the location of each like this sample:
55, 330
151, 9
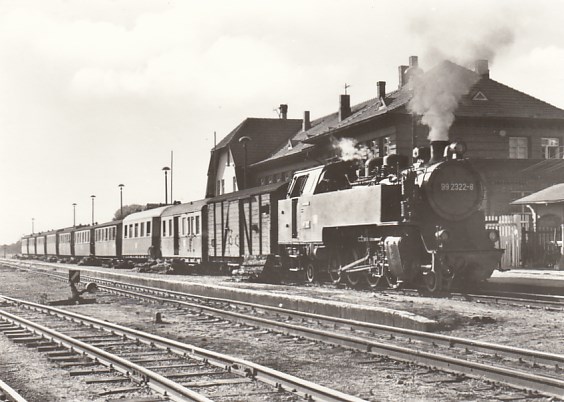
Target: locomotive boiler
392, 223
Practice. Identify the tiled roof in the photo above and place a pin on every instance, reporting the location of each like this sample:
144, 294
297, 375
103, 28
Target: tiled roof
266, 135
551, 195
502, 101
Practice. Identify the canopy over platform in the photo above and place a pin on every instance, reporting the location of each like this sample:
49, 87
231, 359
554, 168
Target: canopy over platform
551, 195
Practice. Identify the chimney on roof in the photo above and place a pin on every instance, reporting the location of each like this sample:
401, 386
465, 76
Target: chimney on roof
306, 124
344, 107
401, 79
405, 72
381, 89
481, 67
283, 111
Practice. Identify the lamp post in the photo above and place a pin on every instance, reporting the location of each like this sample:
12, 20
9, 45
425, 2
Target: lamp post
93, 196
166, 169
74, 214
121, 186
244, 140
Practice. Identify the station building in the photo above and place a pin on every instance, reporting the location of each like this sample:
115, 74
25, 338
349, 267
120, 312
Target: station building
515, 140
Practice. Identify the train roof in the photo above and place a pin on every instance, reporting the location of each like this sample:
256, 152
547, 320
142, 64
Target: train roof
148, 213
105, 224
269, 188
183, 208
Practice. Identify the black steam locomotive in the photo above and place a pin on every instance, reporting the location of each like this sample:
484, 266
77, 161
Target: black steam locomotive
393, 224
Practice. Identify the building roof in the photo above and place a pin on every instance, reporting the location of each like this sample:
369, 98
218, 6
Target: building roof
501, 101
266, 135
551, 195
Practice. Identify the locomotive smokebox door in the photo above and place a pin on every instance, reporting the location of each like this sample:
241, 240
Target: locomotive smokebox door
74, 276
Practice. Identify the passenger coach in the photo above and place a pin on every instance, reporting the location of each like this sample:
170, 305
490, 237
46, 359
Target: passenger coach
183, 233
141, 234
108, 239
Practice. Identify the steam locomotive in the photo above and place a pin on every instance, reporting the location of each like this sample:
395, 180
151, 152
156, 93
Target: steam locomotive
393, 224
385, 224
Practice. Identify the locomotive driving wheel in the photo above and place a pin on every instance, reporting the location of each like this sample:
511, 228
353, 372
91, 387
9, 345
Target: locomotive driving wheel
333, 268
354, 279
433, 280
310, 272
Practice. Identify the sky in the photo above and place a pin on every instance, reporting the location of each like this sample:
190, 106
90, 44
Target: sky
97, 93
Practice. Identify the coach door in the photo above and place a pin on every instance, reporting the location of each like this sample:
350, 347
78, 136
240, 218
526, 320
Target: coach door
176, 236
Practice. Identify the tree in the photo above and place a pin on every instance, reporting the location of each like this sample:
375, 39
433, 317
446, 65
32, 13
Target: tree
127, 210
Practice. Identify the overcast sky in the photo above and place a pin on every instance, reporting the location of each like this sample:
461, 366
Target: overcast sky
97, 93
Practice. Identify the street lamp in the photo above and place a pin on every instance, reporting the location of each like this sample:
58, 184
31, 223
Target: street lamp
121, 186
93, 196
74, 214
166, 169
244, 140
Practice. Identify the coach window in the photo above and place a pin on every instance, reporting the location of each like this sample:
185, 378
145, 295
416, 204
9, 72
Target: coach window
197, 225
125, 231
170, 227
149, 228
183, 226
142, 229
164, 228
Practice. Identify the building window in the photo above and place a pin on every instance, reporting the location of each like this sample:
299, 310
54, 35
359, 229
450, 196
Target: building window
389, 145
218, 188
234, 183
550, 148
222, 186
518, 147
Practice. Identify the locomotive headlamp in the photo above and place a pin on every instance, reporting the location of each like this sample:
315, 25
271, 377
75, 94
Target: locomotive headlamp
456, 149
493, 235
442, 235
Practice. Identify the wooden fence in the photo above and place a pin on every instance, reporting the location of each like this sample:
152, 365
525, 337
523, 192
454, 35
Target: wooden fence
525, 246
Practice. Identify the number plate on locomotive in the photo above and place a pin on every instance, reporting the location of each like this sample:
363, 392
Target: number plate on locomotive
457, 186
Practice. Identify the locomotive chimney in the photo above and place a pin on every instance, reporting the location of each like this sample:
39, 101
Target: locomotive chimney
437, 151
284, 112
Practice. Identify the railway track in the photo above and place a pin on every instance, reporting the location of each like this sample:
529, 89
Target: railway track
169, 368
508, 365
500, 363
517, 299
7, 393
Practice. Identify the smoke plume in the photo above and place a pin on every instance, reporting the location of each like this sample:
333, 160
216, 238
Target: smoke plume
349, 149
436, 95
461, 35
